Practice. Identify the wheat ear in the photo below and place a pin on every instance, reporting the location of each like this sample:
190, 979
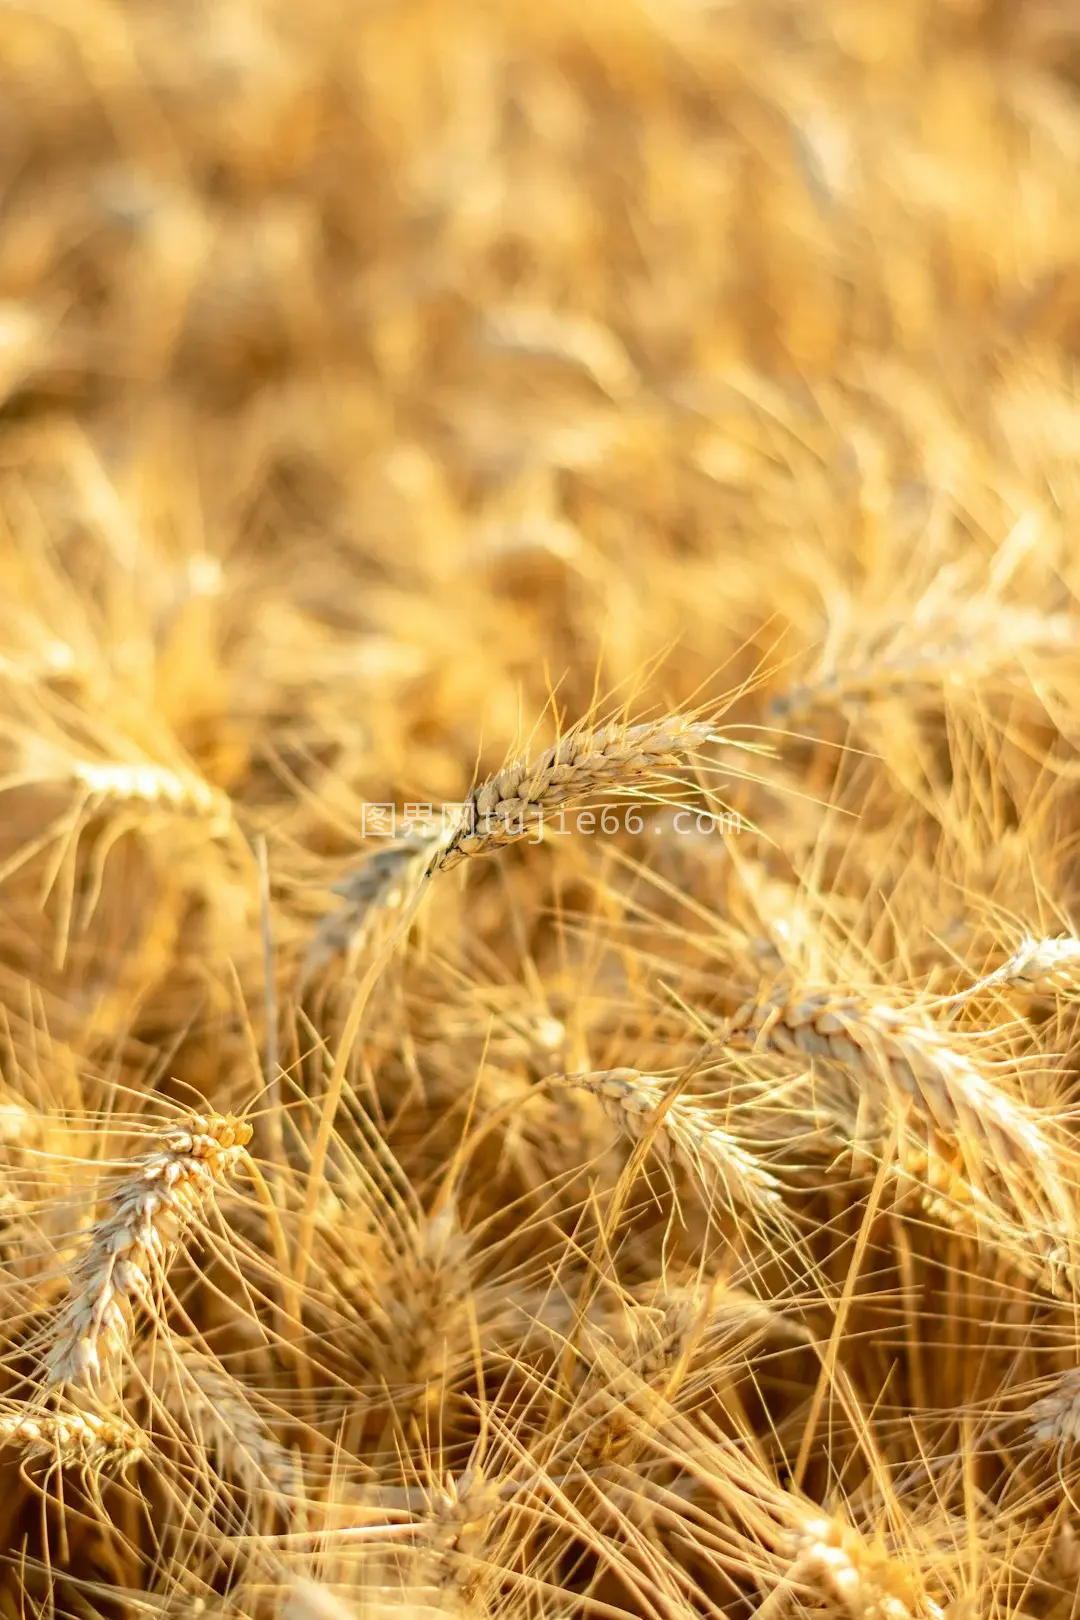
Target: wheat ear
382, 884
835, 1562
515, 801
684, 1131
131, 1246
222, 1418
1039, 967
913, 1066
1055, 1416
71, 1438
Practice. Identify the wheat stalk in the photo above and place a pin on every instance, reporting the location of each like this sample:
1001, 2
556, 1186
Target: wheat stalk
130, 1247
516, 800
683, 1131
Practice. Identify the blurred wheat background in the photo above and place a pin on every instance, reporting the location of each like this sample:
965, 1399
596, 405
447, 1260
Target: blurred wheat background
663, 1218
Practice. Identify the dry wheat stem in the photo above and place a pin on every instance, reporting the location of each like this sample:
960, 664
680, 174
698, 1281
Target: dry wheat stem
685, 1132
514, 802
130, 1247
912, 1064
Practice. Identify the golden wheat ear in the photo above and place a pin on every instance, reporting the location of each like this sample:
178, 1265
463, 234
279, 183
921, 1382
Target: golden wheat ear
130, 1246
929, 1082
514, 803
683, 1132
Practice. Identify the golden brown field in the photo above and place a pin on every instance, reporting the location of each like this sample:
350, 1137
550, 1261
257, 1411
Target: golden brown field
650, 1185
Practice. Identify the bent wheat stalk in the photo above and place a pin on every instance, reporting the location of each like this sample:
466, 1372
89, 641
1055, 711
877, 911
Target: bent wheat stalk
131, 1246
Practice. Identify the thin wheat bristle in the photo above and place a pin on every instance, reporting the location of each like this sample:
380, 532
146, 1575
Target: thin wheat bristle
514, 802
130, 1247
685, 1132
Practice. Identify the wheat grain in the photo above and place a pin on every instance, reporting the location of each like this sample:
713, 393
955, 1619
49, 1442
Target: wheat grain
685, 1131
130, 1247
516, 800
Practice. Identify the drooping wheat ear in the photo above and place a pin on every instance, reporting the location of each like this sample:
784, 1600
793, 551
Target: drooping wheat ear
383, 884
962, 640
835, 1562
685, 1132
514, 802
71, 1439
154, 784
914, 1068
131, 1246
1039, 967
221, 1417
1055, 1416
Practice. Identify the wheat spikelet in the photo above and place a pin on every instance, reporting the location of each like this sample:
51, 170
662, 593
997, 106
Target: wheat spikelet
1038, 967
514, 802
131, 1246
71, 1438
382, 884
912, 1065
227, 1426
1055, 1417
685, 1132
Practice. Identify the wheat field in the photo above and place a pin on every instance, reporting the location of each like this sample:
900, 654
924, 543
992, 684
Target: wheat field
539, 803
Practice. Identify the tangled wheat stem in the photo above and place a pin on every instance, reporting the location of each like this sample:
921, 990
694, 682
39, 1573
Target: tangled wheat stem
130, 1247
